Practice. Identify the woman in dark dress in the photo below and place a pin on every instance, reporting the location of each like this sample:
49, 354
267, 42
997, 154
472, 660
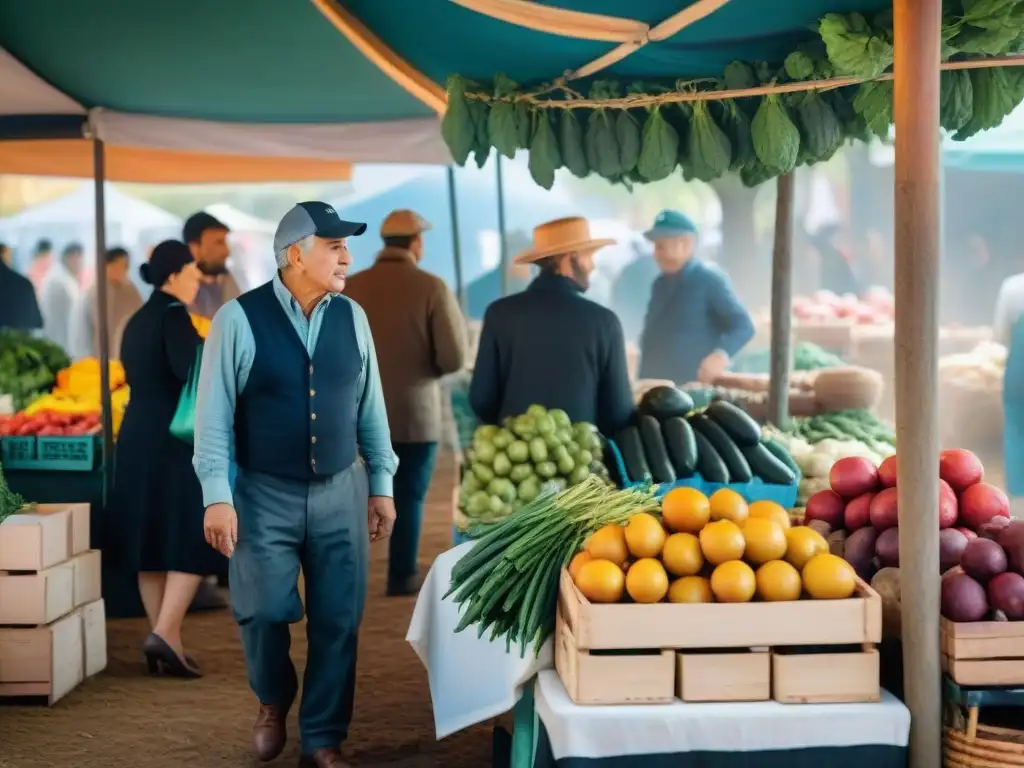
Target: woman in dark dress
156, 509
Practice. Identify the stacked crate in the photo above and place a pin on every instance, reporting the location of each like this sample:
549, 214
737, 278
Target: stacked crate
52, 620
796, 652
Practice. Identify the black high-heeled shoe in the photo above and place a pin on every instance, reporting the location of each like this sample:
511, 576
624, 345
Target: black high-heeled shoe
161, 659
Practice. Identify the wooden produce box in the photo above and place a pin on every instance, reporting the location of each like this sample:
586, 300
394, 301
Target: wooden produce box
43, 661
742, 675
78, 523
721, 625
34, 542
983, 653
94, 637
802, 676
599, 677
30, 599
88, 577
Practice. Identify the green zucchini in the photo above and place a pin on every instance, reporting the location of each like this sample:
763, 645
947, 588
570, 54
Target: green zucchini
654, 450
768, 466
779, 451
631, 447
739, 469
664, 403
709, 463
681, 445
735, 421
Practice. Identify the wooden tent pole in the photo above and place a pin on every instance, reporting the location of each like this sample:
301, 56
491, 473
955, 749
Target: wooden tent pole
782, 304
917, 32
99, 184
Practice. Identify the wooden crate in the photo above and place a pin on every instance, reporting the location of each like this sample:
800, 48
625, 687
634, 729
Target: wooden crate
34, 542
78, 523
741, 675
30, 599
43, 661
88, 577
612, 678
94, 637
802, 676
983, 653
721, 625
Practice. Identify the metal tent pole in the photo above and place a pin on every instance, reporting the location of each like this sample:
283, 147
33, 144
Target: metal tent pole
917, 28
453, 212
502, 244
99, 180
782, 304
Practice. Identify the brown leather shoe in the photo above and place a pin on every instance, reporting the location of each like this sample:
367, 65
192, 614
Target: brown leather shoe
325, 757
269, 732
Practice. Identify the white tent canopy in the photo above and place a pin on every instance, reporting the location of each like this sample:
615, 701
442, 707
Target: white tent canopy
23, 93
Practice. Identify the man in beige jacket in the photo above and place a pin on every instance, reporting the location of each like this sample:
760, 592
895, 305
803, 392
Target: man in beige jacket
420, 336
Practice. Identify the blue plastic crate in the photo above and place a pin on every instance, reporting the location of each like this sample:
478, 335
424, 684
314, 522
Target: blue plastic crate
18, 452
756, 490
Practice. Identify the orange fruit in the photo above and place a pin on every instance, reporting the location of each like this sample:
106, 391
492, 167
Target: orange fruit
691, 589
644, 535
577, 562
829, 577
608, 543
685, 509
646, 581
772, 511
765, 540
681, 554
803, 543
726, 504
733, 582
601, 581
722, 541
778, 580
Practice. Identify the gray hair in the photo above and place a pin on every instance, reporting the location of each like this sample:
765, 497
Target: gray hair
305, 244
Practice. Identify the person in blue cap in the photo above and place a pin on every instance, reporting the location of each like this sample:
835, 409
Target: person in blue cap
289, 385
695, 324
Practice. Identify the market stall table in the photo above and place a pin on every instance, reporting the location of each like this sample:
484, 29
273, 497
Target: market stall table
764, 734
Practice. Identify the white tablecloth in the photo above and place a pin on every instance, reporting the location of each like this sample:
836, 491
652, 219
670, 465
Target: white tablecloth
597, 731
471, 680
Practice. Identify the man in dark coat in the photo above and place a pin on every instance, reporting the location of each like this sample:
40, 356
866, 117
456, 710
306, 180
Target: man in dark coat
551, 346
695, 323
18, 306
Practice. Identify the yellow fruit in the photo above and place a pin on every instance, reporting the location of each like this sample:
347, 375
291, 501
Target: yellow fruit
646, 581
778, 580
765, 540
726, 504
685, 509
577, 562
722, 541
681, 554
601, 581
803, 543
772, 511
691, 589
608, 543
733, 582
644, 535
828, 577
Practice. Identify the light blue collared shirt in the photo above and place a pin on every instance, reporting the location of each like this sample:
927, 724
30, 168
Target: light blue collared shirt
227, 360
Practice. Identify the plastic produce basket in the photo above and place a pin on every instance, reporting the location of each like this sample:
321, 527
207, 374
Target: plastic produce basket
18, 452
64, 454
465, 420
756, 490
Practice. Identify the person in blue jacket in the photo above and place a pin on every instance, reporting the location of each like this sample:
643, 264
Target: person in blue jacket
695, 324
290, 386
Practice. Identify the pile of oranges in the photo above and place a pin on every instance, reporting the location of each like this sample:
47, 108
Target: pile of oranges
717, 549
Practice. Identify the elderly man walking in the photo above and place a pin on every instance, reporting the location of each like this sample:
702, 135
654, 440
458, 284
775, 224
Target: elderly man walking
421, 334
290, 386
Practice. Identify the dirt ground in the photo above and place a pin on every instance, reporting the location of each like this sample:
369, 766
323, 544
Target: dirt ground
125, 719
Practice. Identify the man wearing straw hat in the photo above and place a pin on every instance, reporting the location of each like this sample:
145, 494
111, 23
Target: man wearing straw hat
694, 323
551, 346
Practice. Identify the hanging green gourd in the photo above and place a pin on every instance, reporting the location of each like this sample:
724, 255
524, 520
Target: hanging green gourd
545, 156
776, 140
570, 135
627, 134
660, 151
710, 150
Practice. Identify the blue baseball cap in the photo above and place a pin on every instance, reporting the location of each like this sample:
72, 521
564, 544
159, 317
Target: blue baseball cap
671, 224
313, 218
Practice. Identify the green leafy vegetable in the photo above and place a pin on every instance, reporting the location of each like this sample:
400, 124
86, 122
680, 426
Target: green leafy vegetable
571, 138
457, 127
820, 129
502, 124
957, 96
545, 157
710, 149
853, 47
602, 146
776, 139
873, 103
627, 134
660, 150
480, 112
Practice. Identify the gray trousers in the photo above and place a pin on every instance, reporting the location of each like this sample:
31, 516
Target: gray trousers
320, 527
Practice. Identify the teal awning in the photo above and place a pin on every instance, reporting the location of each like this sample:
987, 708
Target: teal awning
1000, 150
